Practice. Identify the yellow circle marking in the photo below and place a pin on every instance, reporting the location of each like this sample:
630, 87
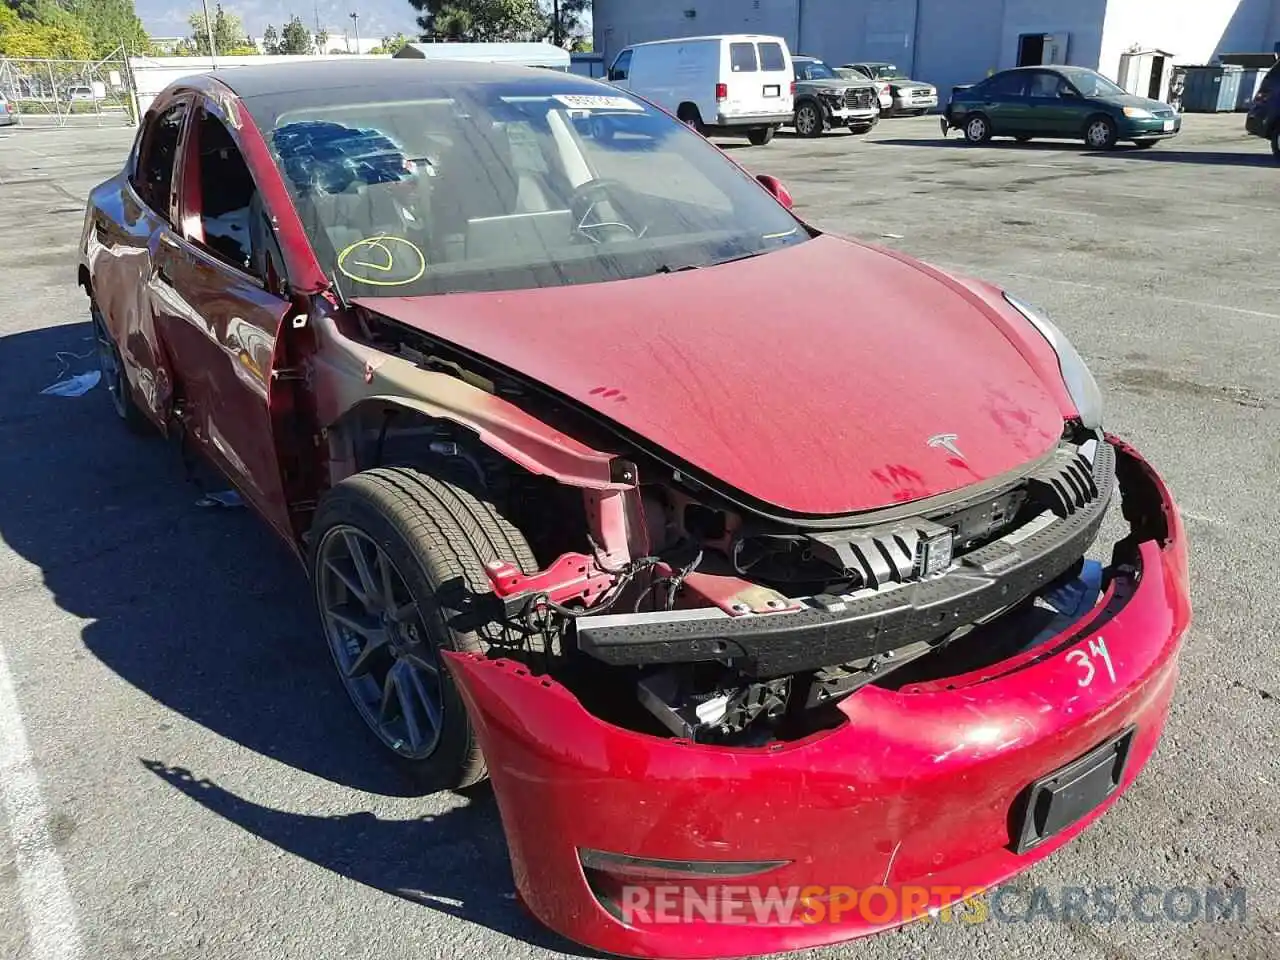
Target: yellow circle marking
375, 254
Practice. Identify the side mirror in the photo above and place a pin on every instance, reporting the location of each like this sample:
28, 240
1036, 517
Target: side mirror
774, 186
1066, 93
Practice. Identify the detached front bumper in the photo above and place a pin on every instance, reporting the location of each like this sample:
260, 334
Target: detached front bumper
918, 794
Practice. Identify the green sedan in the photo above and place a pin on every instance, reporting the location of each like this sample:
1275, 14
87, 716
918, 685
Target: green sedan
1063, 102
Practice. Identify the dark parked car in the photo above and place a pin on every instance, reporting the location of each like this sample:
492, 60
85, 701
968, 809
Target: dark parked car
498, 383
907, 97
825, 100
1264, 114
1062, 102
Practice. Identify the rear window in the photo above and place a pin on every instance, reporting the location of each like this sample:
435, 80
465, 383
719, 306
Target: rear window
1005, 85
771, 57
742, 57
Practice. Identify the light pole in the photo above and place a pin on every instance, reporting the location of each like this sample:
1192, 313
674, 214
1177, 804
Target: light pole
355, 25
213, 44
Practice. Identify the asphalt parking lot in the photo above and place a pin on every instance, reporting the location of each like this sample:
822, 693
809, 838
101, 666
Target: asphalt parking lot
186, 778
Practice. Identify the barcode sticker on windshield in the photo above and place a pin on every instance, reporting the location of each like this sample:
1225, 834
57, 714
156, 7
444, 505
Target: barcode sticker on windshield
578, 101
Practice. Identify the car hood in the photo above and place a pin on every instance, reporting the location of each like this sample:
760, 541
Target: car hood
822, 379
1131, 100
908, 84
831, 86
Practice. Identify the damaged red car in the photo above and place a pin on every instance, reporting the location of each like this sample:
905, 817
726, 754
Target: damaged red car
724, 593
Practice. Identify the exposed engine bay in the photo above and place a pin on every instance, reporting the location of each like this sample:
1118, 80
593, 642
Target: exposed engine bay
669, 607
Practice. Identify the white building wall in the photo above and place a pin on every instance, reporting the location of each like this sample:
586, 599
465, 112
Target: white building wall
1193, 31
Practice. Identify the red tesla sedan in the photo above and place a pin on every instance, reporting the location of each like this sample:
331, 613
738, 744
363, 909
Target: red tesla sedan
773, 622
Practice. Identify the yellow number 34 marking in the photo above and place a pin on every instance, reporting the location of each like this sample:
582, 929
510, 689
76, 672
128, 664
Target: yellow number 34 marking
1085, 659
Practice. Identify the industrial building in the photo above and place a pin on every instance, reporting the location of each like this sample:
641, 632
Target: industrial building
948, 42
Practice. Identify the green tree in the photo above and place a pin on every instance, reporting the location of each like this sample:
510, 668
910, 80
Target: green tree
391, 45
228, 35
111, 23
61, 37
270, 40
482, 20
294, 38
321, 40
568, 19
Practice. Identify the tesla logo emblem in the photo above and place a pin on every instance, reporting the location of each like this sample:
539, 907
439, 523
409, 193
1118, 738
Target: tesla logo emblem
947, 441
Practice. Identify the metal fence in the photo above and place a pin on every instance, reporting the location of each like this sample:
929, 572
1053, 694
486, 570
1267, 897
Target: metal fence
60, 93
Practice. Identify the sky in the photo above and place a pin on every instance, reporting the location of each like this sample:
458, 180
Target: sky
378, 18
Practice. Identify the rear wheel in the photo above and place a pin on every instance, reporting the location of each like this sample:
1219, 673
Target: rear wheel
809, 120
977, 129
689, 115
1101, 133
397, 565
760, 135
113, 375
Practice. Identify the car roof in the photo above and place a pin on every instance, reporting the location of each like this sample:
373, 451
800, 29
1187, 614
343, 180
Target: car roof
268, 91
340, 73
755, 37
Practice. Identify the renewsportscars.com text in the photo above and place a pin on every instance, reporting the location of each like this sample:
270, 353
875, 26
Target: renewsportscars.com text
878, 906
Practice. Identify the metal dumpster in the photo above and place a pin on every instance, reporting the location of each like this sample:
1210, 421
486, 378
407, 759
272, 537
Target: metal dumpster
1212, 89
1250, 83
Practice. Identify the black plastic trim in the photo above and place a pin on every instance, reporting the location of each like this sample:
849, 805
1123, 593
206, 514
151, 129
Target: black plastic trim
984, 582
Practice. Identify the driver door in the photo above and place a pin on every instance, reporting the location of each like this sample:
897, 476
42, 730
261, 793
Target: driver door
1057, 110
224, 285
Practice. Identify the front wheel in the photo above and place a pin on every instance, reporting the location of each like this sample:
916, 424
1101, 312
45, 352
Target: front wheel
113, 376
397, 564
1144, 144
977, 129
760, 136
1101, 134
809, 121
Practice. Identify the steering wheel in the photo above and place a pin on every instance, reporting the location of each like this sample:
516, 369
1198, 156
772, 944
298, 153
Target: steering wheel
598, 228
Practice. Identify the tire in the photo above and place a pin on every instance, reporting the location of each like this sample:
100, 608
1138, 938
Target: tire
977, 128
691, 117
114, 377
436, 538
760, 135
1100, 133
809, 121
863, 127
1275, 144
1145, 144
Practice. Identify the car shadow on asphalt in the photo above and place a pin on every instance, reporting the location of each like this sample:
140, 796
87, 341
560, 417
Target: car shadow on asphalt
204, 611
1156, 154
455, 862
201, 609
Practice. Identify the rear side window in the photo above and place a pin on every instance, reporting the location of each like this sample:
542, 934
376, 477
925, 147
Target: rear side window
742, 57
771, 57
1005, 85
621, 67
153, 178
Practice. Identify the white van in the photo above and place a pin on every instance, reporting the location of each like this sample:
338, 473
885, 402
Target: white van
734, 85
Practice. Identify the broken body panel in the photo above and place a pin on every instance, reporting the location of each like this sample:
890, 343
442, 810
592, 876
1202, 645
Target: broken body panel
684, 442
